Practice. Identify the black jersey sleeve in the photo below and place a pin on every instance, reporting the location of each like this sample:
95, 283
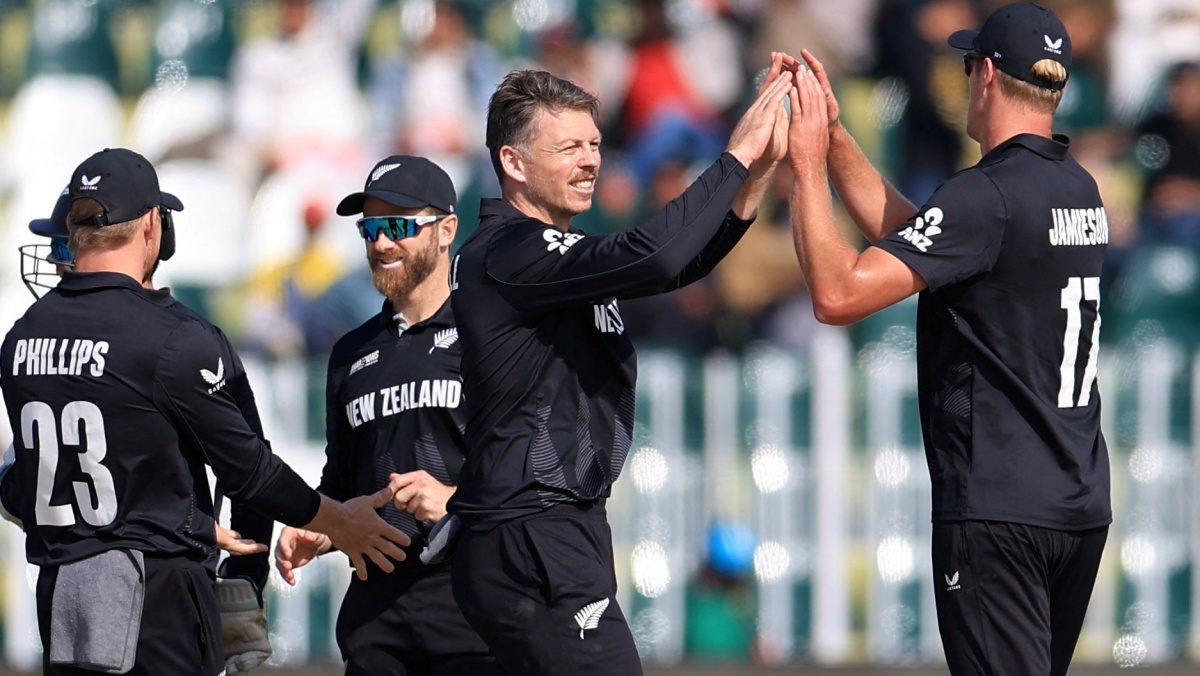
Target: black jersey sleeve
338, 475
956, 235
541, 268
247, 521
190, 387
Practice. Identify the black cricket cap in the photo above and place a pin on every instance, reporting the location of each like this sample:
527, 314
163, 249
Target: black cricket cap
1017, 36
56, 225
123, 182
405, 181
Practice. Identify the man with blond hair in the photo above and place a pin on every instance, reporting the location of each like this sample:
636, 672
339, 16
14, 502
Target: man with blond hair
118, 404
1006, 256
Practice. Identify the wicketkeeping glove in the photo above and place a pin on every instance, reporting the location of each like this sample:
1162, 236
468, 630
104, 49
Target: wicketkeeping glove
243, 624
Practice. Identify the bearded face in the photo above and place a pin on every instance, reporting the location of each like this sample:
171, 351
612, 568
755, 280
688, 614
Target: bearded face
396, 272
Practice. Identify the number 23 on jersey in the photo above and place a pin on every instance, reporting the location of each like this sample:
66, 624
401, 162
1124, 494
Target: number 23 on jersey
40, 428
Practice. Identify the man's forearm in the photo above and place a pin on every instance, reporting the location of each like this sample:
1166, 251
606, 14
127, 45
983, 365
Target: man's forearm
750, 197
874, 204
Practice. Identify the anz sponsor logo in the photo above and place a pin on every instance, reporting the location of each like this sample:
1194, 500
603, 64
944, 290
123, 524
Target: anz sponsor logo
924, 229
558, 240
608, 318
400, 398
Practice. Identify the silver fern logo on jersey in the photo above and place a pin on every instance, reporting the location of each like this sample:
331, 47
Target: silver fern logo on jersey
444, 339
560, 241
588, 617
217, 380
924, 229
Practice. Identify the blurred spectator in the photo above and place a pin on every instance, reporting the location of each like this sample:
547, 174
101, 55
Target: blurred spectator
72, 38
599, 65
186, 113
679, 83
1149, 35
295, 93
1168, 145
759, 281
304, 306
432, 99
930, 142
842, 38
1084, 106
721, 609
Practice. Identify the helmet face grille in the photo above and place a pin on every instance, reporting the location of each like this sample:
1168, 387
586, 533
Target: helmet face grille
40, 268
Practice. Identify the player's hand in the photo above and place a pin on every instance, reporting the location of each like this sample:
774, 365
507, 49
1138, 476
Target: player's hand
295, 548
756, 130
243, 624
808, 134
832, 108
777, 146
359, 532
421, 495
233, 542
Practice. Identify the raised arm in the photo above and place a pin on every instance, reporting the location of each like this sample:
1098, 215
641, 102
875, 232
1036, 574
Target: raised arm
874, 204
845, 285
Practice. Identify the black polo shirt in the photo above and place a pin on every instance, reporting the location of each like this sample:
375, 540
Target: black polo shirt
1008, 335
117, 404
548, 368
394, 403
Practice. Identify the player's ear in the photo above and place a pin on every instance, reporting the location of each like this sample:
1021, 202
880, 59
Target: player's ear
447, 229
513, 163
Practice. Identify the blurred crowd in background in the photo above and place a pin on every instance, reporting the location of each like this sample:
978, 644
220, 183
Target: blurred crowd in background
262, 114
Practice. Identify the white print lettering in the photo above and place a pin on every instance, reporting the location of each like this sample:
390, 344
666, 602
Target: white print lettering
926, 227
59, 357
608, 318
366, 360
401, 398
559, 240
1079, 227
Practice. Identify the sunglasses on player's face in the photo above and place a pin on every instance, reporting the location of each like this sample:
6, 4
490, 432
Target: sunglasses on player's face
395, 227
59, 253
969, 59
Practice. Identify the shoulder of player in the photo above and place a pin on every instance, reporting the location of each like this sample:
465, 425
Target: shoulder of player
970, 189
351, 345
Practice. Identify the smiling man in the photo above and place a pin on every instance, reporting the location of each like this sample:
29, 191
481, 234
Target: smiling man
394, 405
549, 371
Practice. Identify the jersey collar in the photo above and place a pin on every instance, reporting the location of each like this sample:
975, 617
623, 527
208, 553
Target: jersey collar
92, 281
443, 318
1049, 148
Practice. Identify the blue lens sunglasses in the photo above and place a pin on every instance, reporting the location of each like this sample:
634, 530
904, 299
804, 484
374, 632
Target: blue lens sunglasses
395, 227
59, 253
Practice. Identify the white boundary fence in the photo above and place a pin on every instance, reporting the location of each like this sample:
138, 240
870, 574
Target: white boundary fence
820, 453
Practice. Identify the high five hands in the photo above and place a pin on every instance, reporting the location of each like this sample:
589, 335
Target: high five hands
764, 135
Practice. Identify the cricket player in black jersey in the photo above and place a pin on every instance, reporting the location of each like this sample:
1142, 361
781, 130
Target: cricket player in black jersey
549, 371
243, 575
394, 404
117, 408
1006, 256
